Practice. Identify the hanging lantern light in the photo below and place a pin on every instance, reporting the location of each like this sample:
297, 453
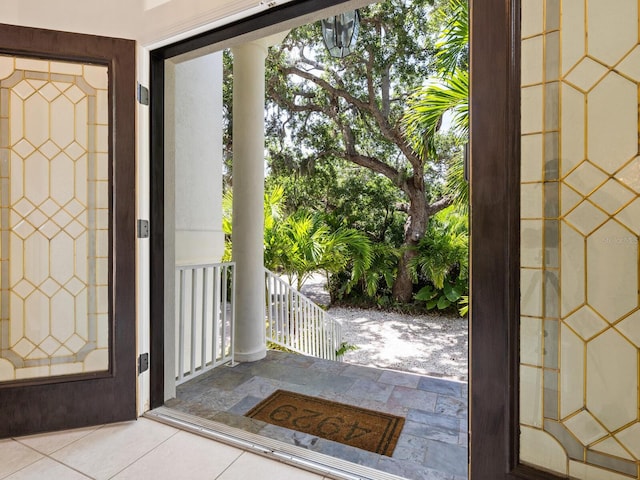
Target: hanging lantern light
340, 33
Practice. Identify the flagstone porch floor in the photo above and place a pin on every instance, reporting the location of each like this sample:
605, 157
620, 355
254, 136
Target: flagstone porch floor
432, 445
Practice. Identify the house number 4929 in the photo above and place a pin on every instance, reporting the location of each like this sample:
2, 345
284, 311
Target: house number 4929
311, 420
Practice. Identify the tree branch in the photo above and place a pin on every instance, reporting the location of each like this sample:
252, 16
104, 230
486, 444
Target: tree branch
350, 153
389, 132
319, 66
431, 209
366, 161
439, 205
370, 89
385, 89
294, 107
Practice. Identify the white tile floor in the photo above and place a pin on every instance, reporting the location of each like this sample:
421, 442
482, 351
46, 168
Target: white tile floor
139, 450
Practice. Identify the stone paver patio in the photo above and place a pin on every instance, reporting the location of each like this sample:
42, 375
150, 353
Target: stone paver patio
433, 442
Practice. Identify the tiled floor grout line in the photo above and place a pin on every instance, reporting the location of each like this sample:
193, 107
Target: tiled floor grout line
242, 453
21, 442
32, 463
145, 454
48, 455
72, 468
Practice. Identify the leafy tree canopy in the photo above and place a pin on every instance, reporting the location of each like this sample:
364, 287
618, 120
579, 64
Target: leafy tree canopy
348, 112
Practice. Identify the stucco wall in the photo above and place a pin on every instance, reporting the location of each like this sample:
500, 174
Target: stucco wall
198, 160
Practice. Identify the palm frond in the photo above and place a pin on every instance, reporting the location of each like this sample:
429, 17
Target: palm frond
453, 45
457, 186
427, 106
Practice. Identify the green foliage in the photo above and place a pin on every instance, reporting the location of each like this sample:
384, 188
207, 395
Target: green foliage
446, 92
344, 348
457, 185
427, 106
443, 261
335, 126
321, 108
444, 250
344, 196
372, 285
227, 227
301, 243
464, 305
451, 293
353, 143
453, 42
280, 348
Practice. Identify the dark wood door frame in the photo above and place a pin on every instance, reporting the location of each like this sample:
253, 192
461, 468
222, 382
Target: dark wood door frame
495, 221
495, 242
87, 399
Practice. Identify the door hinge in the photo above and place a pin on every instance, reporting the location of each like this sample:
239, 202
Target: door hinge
143, 228
143, 94
143, 363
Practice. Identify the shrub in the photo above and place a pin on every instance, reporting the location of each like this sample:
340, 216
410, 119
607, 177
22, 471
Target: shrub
442, 263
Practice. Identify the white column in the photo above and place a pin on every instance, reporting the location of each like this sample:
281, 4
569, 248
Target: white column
248, 193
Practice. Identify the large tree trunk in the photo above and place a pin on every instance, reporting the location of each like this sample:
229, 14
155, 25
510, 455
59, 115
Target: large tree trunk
403, 286
414, 230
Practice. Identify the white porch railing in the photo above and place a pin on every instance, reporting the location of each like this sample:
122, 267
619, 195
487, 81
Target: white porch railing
296, 323
205, 318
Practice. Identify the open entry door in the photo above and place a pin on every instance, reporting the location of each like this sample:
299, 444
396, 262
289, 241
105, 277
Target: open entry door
67, 230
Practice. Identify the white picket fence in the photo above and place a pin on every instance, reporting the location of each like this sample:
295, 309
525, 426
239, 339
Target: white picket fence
205, 318
298, 324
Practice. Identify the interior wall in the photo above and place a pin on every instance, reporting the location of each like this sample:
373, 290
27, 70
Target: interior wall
580, 225
116, 18
148, 21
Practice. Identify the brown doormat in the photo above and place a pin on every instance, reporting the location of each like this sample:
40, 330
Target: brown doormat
366, 429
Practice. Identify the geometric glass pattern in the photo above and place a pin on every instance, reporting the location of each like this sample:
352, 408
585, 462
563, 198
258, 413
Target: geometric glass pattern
586, 421
54, 218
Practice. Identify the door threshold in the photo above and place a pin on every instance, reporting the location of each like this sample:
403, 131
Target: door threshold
274, 449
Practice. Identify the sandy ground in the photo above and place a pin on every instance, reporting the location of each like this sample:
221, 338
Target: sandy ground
427, 344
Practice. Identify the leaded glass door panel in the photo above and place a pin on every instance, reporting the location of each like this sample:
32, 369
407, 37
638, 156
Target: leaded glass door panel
55, 212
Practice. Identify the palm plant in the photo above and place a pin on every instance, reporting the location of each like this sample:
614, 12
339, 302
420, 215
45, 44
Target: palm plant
443, 252
349, 248
306, 245
273, 200
300, 244
443, 260
383, 270
227, 209
447, 92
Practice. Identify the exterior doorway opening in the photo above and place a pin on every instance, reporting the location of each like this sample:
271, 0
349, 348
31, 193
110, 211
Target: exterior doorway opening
196, 284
